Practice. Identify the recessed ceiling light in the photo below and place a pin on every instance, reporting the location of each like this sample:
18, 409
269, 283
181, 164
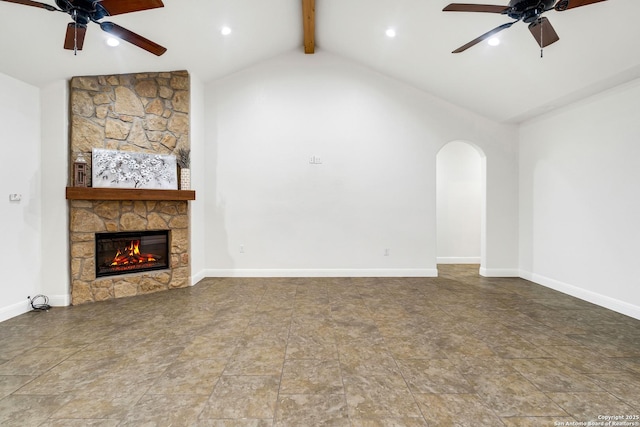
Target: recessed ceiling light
391, 33
113, 42
494, 41
225, 31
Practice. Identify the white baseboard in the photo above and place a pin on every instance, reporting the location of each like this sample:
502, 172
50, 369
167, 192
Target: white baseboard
14, 310
499, 272
59, 300
616, 305
22, 307
398, 272
458, 260
195, 278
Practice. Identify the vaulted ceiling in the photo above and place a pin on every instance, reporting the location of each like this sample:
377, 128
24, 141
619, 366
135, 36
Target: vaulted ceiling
598, 47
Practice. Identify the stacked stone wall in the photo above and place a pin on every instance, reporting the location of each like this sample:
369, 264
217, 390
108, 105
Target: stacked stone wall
146, 113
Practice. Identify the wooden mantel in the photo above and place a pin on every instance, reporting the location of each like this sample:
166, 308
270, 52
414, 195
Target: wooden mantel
90, 193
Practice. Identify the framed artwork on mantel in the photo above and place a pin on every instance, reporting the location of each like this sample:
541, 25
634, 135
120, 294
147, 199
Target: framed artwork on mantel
124, 169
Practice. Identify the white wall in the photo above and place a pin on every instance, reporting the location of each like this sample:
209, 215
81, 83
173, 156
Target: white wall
579, 200
270, 212
459, 188
19, 174
54, 100
198, 165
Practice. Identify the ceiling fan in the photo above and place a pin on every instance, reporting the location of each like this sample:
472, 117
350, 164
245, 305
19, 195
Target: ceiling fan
528, 11
84, 11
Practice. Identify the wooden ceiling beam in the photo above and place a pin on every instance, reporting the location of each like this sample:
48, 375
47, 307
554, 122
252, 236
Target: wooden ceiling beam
309, 25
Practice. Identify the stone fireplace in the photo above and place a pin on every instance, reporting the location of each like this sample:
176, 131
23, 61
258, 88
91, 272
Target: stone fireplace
89, 217
147, 112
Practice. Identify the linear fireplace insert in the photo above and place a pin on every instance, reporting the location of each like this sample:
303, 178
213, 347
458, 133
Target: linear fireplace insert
131, 252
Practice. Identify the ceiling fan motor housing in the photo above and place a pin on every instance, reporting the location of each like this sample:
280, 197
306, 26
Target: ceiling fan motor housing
83, 11
528, 10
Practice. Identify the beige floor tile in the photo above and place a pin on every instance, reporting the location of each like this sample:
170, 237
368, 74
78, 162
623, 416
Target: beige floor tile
586, 407
389, 422
433, 376
313, 325
66, 378
312, 410
459, 410
309, 346
625, 387
203, 347
366, 357
346, 331
226, 422
85, 422
257, 357
537, 421
379, 397
11, 383
550, 375
36, 361
542, 336
585, 360
13, 346
482, 365
311, 376
513, 396
631, 364
457, 343
162, 410
416, 346
24, 411
97, 407
237, 397
124, 379
193, 376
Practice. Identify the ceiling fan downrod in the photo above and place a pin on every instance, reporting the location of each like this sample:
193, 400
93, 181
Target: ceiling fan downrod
541, 39
75, 32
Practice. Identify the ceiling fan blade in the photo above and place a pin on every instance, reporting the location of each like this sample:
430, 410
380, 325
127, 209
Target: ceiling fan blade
543, 32
34, 4
74, 40
483, 37
118, 7
570, 4
467, 7
133, 38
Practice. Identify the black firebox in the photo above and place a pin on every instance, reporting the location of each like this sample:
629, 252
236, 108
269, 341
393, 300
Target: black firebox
131, 252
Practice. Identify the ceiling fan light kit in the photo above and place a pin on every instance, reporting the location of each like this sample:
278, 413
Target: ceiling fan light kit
83, 12
527, 11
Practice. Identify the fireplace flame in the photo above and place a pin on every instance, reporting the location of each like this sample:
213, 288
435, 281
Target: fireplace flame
131, 255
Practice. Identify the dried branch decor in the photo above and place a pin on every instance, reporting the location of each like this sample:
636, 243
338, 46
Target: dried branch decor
184, 158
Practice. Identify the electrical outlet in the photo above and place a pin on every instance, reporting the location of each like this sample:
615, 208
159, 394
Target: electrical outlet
241, 249
386, 252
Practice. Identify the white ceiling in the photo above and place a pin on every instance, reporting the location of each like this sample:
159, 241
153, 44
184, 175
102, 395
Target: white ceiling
599, 47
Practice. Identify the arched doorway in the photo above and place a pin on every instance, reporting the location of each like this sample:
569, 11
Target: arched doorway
460, 204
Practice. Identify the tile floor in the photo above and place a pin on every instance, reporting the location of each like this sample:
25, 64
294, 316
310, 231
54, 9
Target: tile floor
458, 350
